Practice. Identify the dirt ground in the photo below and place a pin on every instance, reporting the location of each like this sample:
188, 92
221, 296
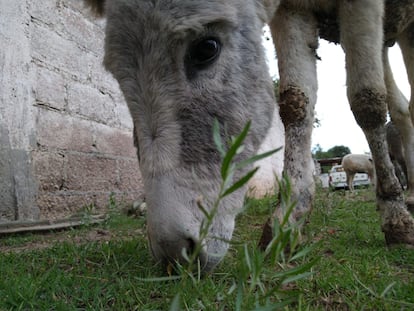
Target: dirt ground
93, 233
38, 241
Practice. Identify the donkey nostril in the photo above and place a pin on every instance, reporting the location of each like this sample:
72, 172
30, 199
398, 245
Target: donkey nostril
184, 251
191, 245
189, 248
196, 253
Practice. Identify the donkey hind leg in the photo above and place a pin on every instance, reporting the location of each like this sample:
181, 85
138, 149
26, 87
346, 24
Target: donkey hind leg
400, 116
295, 38
406, 43
361, 37
350, 181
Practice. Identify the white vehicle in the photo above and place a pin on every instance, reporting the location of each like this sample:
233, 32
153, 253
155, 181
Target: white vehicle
337, 178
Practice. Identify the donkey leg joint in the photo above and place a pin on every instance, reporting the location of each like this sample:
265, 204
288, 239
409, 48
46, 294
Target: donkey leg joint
293, 103
369, 108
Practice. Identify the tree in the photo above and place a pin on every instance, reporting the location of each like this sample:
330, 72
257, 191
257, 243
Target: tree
318, 153
334, 152
339, 151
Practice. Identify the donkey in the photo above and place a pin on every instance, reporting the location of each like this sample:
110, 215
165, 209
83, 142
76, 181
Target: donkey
357, 163
183, 63
364, 34
398, 27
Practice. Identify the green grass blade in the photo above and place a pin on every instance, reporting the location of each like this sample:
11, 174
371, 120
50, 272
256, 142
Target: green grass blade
256, 158
240, 183
387, 289
301, 269
160, 279
302, 253
228, 158
217, 138
297, 277
175, 305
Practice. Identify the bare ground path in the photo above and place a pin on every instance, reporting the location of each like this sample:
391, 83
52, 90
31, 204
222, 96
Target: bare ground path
100, 233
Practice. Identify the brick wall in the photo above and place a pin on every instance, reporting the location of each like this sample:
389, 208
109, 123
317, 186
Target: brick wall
65, 131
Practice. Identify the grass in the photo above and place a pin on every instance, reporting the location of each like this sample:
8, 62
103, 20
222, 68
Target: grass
354, 271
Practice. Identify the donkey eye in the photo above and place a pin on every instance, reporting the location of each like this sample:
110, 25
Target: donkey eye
204, 52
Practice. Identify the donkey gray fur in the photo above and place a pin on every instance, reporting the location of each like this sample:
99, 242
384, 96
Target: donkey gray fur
183, 63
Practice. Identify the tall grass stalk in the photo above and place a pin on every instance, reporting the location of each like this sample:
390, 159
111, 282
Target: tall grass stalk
251, 279
228, 170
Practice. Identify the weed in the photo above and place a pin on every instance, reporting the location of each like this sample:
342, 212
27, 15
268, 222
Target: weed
250, 282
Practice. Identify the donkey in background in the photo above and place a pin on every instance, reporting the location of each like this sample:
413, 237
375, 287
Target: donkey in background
183, 63
357, 163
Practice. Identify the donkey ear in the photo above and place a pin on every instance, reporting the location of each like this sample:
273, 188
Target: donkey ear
266, 9
97, 6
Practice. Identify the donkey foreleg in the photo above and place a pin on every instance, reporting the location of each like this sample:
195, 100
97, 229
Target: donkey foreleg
295, 37
362, 39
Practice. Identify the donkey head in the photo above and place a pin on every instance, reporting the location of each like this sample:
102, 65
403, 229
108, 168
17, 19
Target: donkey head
181, 64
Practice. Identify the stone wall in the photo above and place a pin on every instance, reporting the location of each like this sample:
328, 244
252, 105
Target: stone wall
65, 131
